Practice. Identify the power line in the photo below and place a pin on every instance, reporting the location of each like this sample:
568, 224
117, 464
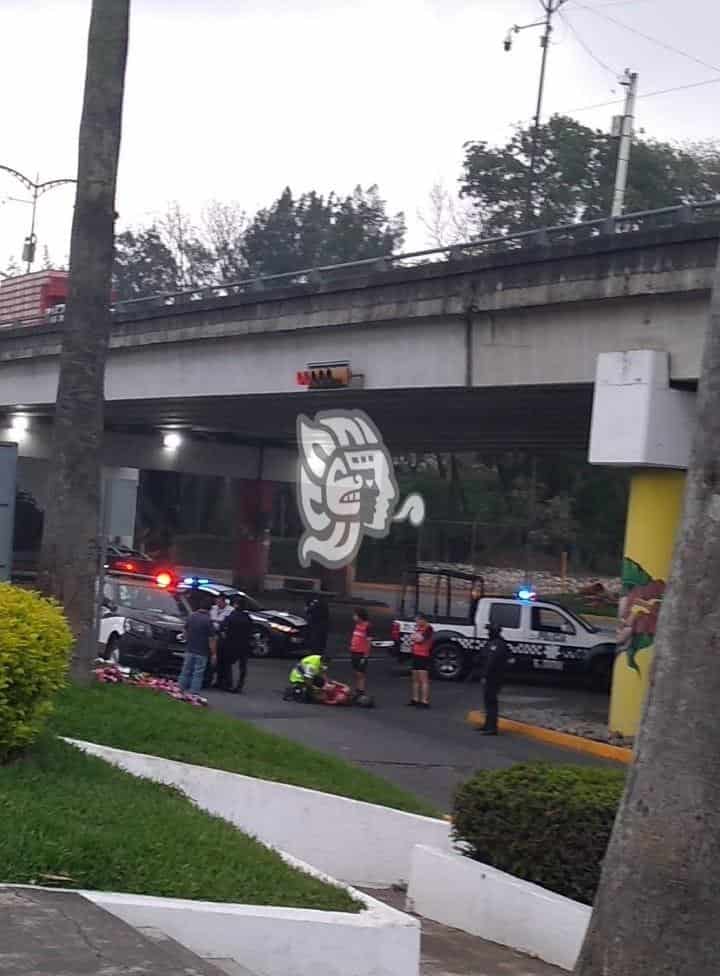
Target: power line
651, 94
647, 37
568, 23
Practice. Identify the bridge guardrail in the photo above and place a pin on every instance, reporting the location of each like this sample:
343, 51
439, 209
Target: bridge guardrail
544, 236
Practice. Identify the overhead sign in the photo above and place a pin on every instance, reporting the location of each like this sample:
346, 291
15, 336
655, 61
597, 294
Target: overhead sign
346, 487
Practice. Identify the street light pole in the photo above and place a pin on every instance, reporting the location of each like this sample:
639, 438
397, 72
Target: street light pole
626, 133
37, 189
550, 7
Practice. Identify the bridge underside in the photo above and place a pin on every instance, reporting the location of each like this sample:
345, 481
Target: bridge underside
538, 419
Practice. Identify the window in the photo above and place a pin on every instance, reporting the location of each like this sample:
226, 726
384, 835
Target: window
550, 621
505, 615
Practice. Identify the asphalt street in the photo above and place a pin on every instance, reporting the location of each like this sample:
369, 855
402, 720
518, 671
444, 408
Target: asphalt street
425, 752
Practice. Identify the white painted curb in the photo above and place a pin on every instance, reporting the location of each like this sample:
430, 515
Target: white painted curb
467, 895
278, 941
360, 843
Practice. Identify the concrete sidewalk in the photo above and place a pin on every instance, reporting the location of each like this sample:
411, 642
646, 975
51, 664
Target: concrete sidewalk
450, 952
60, 933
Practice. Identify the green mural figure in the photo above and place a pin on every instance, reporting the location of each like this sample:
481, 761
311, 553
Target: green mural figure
638, 611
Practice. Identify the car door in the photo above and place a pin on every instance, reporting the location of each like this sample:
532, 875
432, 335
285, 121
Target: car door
555, 633
110, 622
508, 614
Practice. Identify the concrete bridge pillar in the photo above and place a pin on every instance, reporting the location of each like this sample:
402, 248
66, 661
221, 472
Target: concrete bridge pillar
640, 422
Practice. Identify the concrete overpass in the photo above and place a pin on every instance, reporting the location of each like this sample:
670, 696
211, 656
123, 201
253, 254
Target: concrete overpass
494, 346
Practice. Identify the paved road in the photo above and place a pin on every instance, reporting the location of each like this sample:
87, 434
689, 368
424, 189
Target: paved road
428, 753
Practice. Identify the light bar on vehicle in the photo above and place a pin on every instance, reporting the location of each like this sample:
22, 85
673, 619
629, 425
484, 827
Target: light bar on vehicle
195, 581
163, 579
525, 593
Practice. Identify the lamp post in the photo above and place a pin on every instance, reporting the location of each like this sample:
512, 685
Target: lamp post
550, 7
37, 189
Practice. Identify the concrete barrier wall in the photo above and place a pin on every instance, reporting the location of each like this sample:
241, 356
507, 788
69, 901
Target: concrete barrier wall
478, 899
359, 843
281, 941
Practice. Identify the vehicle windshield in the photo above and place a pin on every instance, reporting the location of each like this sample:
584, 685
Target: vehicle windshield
150, 599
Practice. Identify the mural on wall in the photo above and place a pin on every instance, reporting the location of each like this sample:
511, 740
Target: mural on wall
638, 611
346, 487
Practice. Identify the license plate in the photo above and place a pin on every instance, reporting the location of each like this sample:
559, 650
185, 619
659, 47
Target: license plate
549, 665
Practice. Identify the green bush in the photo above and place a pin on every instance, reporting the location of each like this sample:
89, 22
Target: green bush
35, 643
546, 824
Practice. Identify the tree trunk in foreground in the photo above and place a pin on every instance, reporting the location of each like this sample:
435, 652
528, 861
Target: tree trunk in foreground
657, 911
71, 546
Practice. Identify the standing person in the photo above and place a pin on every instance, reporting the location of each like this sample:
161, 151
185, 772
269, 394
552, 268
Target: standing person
360, 650
422, 642
219, 613
237, 631
318, 618
200, 648
497, 652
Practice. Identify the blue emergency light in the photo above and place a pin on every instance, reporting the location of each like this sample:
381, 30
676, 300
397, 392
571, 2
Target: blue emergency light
194, 581
525, 593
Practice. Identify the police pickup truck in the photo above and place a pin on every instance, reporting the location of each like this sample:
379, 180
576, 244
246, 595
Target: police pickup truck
543, 636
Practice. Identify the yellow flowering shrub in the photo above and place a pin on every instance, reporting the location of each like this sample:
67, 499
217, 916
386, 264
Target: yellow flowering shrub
35, 645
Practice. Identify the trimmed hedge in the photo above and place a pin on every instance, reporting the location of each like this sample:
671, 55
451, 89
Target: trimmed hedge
543, 823
35, 643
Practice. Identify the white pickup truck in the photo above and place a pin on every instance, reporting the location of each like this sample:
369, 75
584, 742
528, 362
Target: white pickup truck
543, 636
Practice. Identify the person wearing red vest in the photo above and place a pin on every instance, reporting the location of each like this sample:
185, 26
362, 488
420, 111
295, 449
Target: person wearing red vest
422, 642
360, 650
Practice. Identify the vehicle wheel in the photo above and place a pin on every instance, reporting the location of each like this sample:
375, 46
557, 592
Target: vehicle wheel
260, 645
112, 650
449, 662
601, 669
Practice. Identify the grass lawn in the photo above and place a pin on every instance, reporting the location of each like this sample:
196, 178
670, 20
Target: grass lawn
65, 813
141, 721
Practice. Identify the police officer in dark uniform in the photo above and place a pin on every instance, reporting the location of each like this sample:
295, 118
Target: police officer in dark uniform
237, 631
318, 618
497, 651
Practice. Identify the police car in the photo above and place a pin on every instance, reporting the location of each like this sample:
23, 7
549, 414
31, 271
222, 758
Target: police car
544, 637
142, 621
275, 632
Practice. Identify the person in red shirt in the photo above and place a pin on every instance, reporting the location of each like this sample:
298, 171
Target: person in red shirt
422, 641
360, 650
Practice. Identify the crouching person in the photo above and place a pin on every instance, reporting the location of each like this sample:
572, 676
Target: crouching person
307, 679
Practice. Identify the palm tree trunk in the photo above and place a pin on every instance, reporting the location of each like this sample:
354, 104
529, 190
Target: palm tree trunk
71, 545
658, 905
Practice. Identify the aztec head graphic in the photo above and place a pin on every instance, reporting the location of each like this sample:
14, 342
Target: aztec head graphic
346, 487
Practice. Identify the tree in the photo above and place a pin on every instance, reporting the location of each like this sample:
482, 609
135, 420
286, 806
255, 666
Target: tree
575, 173
223, 229
447, 220
312, 230
143, 265
70, 560
656, 910
194, 260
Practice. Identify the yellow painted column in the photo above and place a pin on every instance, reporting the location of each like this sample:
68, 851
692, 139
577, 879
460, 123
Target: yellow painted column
653, 518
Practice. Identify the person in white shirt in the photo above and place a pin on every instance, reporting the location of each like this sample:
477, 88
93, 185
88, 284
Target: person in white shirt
219, 613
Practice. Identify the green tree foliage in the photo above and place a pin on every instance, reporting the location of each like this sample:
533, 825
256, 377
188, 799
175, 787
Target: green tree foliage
312, 230
575, 173
143, 265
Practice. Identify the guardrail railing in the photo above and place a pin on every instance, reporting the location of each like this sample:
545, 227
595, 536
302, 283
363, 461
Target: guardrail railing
544, 236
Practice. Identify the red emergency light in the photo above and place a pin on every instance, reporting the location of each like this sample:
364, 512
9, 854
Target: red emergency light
164, 579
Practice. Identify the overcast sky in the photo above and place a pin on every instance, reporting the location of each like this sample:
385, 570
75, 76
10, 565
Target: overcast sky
234, 99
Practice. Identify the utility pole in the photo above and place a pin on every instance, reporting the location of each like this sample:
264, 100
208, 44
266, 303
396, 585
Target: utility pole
624, 126
37, 189
550, 7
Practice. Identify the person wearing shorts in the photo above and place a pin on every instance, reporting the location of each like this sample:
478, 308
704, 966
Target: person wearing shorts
422, 641
360, 650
